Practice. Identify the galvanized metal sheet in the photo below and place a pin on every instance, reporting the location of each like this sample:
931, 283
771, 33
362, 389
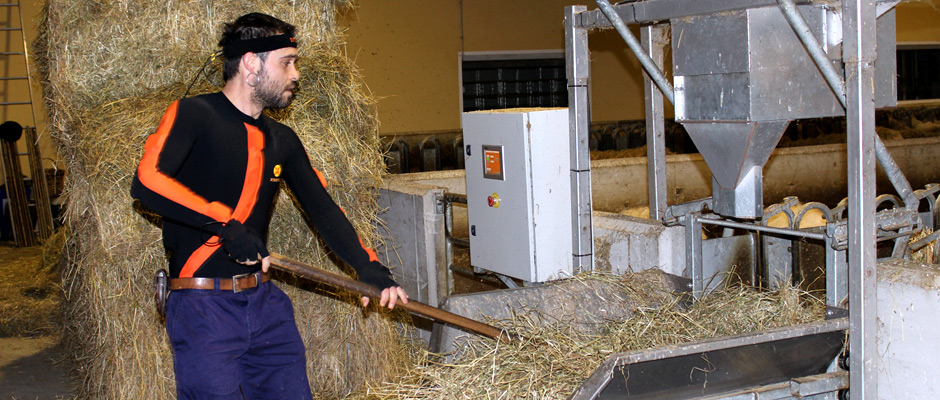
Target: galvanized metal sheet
886, 66
731, 149
724, 256
717, 366
722, 97
706, 45
785, 82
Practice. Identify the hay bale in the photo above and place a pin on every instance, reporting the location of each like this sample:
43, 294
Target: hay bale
106, 85
551, 361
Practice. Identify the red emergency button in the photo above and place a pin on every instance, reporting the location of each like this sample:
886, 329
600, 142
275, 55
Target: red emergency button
493, 200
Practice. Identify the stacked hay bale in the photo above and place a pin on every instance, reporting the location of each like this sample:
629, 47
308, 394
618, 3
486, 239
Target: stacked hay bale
110, 70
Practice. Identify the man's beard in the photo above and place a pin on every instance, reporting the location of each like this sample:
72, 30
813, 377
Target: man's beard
271, 95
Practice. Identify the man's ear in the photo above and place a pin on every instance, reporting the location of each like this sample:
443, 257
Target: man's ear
251, 62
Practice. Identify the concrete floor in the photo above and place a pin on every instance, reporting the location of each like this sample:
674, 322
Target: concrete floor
30, 368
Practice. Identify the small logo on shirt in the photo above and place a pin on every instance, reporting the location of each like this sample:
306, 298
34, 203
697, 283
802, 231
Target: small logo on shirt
277, 173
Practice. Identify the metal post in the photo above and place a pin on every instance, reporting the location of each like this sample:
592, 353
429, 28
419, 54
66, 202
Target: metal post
858, 52
578, 72
653, 38
648, 64
447, 273
837, 287
693, 253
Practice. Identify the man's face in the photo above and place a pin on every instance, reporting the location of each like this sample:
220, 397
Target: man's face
278, 79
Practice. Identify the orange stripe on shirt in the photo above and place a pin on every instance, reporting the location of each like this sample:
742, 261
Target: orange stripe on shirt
199, 257
150, 175
372, 256
322, 178
254, 171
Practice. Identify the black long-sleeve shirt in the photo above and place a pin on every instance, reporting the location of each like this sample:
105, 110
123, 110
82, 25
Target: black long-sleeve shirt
208, 163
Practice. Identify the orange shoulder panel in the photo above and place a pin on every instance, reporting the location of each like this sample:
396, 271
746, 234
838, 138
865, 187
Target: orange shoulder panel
155, 180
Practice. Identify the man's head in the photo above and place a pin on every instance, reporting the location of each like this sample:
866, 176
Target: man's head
247, 27
261, 50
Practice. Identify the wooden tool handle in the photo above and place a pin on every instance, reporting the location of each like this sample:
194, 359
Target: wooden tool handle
364, 289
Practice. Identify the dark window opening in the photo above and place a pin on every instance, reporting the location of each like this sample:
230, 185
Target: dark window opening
498, 84
918, 73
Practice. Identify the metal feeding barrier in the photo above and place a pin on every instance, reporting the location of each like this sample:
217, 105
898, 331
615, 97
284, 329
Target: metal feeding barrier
742, 70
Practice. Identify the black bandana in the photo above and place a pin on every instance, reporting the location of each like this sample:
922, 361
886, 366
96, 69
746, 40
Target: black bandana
258, 45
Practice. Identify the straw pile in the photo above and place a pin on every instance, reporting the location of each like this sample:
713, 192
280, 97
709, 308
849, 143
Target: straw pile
554, 358
29, 286
111, 69
926, 253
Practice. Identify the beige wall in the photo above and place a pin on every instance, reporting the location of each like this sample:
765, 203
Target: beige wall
17, 91
408, 53
918, 21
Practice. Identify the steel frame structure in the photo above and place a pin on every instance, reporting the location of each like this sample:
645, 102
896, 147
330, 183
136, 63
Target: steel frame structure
858, 56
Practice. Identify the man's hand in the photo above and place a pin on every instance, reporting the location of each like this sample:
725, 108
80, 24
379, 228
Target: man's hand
243, 246
265, 263
390, 296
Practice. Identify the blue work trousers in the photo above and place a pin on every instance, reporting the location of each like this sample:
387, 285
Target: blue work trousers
236, 345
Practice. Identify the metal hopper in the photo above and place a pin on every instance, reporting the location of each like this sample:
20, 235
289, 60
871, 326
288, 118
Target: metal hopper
741, 76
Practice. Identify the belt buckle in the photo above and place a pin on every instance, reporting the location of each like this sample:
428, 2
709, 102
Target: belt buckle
235, 279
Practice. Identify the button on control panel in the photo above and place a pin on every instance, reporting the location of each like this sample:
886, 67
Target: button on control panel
493, 200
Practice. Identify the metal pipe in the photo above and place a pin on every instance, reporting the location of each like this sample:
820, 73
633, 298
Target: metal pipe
759, 228
455, 197
648, 64
897, 178
448, 241
454, 241
815, 49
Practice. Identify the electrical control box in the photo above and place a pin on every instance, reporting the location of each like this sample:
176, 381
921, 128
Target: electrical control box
519, 192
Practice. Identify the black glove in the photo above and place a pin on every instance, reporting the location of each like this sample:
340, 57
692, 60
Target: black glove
377, 275
241, 244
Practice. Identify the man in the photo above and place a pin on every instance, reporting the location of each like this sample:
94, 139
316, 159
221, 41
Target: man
212, 170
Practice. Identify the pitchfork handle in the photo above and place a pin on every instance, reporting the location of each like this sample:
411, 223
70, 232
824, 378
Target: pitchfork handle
364, 289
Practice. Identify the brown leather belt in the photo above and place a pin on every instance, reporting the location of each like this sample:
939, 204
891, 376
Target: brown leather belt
237, 284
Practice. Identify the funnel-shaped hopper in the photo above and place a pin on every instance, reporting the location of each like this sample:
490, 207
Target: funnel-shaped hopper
736, 153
